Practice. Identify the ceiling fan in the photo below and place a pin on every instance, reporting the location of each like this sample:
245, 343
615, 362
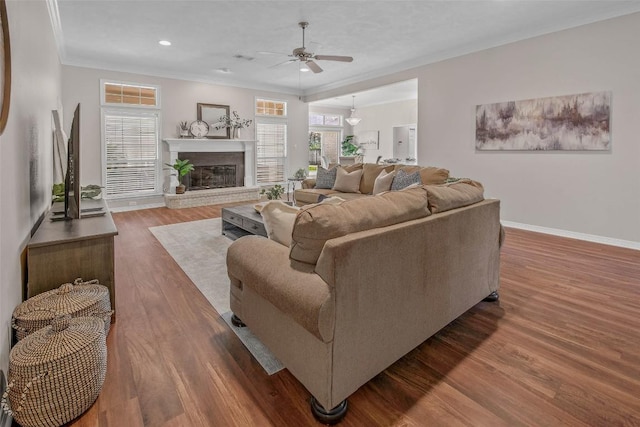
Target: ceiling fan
301, 54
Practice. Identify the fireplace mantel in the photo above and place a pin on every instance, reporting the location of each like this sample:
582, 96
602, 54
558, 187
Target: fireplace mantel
247, 146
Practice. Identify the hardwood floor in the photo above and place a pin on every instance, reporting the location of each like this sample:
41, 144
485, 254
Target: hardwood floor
560, 347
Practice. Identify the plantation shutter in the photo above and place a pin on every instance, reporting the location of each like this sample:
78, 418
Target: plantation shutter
271, 151
131, 142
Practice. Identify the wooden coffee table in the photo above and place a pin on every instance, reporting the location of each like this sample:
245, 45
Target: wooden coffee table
241, 221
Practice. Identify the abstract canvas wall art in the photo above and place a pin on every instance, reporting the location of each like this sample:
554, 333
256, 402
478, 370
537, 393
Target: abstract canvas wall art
570, 122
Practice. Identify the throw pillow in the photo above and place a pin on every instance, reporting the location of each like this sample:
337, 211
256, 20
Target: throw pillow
383, 182
347, 182
429, 174
404, 179
326, 178
279, 218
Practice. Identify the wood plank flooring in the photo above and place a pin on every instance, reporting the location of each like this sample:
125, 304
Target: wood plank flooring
561, 347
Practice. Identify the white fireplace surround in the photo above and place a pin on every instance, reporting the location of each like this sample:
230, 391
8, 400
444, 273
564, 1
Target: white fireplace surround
246, 146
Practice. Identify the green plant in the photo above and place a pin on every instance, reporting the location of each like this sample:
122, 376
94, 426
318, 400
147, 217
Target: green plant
182, 167
274, 192
315, 141
349, 148
232, 121
300, 174
183, 126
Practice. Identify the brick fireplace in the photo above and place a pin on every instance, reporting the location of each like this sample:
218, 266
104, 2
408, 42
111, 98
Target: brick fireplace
214, 170
224, 171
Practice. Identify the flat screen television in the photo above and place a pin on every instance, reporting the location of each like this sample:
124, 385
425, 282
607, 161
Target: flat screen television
72, 190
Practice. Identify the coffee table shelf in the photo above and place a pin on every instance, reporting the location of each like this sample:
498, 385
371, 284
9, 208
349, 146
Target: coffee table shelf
239, 221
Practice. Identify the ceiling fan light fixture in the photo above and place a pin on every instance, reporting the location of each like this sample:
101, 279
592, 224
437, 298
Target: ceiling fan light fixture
351, 119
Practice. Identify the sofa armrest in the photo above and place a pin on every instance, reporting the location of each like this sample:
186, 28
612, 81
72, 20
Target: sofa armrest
292, 287
309, 183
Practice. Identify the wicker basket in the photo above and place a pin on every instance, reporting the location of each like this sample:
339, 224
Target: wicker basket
80, 299
56, 373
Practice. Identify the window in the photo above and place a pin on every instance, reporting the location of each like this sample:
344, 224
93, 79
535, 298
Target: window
329, 144
129, 94
131, 153
130, 139
316, 119
271, 133
268, 107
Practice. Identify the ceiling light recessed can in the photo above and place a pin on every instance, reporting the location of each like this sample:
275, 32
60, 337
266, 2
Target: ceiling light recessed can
165, 42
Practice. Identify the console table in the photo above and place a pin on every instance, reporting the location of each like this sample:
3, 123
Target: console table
61, 251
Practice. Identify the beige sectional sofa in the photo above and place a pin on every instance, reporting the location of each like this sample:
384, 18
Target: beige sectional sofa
366, 281
370, 171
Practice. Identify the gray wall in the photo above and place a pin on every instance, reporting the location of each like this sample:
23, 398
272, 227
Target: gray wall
179, 99
27, 148
596, 194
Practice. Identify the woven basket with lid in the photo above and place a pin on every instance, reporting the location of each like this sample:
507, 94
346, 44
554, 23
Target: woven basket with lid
80, 299
56, 373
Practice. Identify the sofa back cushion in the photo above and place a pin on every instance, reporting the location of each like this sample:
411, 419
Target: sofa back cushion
316, 224
455, 195
370, 171
429, 174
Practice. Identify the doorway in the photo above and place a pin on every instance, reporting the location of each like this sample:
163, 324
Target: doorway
405, 148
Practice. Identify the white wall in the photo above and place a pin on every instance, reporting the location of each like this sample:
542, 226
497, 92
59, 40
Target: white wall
179, 100
383, 118
27, 148
592, 193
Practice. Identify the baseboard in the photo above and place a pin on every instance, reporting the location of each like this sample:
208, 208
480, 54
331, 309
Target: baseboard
573, 235
136, 207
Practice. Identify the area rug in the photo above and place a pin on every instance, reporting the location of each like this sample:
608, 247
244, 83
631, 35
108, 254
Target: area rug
200, 250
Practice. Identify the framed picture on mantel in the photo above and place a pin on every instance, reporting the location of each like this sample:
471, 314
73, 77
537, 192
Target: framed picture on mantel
211, 114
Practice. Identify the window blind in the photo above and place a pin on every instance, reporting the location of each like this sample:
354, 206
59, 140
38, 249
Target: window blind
271, 151
119, 93
131, 143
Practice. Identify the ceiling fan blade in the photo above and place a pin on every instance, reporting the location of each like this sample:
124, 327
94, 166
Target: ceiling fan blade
333, 58
313, 66
288, 61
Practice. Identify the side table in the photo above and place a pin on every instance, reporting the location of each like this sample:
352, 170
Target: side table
291, 182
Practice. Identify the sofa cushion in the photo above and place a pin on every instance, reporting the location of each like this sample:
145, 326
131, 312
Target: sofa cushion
404, 179
326, 178
278, 220
316, 224
383, 182
371, 171
311, 195
455, 195
429, 175
347, 182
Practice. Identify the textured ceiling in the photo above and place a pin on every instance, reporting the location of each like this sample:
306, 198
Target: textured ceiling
250, 37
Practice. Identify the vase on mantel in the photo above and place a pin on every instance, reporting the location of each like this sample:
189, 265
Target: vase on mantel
235, 133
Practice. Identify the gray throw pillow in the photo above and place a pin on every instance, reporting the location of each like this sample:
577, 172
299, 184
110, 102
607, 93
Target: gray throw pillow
403, 180
326, 178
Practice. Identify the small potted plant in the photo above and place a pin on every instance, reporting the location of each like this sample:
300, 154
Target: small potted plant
233, 122
184, 129
182, 168
300, 174
274, 192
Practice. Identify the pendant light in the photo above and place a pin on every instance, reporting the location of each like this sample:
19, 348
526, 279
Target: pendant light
353, 120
